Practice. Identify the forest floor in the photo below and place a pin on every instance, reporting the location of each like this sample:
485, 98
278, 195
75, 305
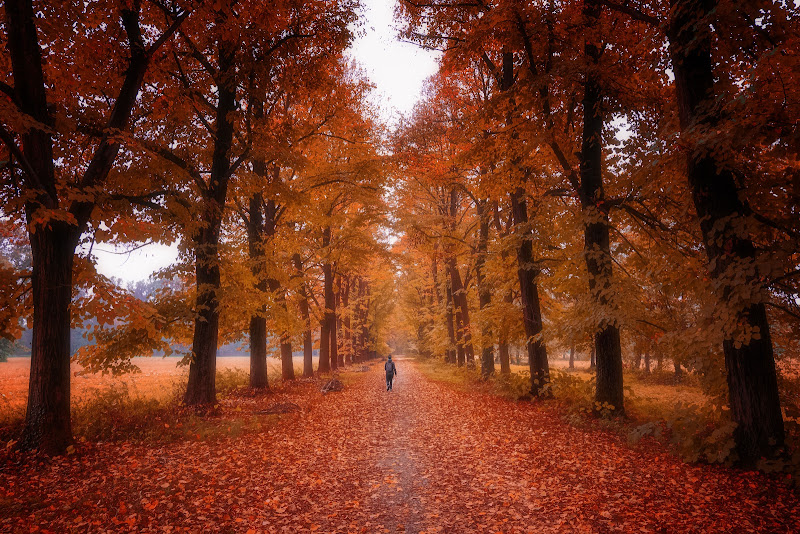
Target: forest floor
425, 457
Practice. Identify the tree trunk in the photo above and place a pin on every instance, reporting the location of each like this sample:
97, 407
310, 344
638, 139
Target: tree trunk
597, 249
47, 420
592, 357
344, 314
325, 362
505, 362
678, 372
450, 354
752, 380
647, 361
484, 291
466, 353
330, 314
258, 322
308, 344
274, 285
527, 272
572, 357
287, 364
258, 353
201, 388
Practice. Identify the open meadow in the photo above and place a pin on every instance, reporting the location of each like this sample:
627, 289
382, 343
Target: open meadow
160, 379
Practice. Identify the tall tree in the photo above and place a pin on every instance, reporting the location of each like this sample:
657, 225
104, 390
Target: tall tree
58, 206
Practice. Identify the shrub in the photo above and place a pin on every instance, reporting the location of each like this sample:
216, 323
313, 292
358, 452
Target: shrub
114, 413
513, 385
229, 380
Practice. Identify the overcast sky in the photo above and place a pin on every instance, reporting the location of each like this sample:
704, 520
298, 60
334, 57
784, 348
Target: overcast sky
398, 71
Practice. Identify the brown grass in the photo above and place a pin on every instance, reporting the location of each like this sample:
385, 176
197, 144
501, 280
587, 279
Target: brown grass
159, 380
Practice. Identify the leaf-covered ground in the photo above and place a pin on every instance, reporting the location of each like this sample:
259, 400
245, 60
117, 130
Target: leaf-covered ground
423, 458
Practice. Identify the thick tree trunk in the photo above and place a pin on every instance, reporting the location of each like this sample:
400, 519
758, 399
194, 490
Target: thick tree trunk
344, 314
466, 353
201, 388
484, 291
308, 343
330, 315
325, 362
505, 361
678, 372
287, 364
258, 322
592, 357
258, 353
572, 357
502, 345
752, 379
451, 353
597, 249
274, 285
527, 271
47, 420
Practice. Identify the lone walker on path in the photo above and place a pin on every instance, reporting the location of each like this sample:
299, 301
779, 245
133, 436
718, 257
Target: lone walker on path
391, 372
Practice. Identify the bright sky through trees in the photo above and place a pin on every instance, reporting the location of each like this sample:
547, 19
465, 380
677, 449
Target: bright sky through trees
396, 68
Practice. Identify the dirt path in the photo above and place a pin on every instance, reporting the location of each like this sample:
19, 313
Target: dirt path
423, 458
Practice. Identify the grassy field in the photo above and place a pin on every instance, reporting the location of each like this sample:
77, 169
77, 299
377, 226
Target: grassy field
160, 379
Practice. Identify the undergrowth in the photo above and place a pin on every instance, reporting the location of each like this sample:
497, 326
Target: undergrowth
697, 428
123, 412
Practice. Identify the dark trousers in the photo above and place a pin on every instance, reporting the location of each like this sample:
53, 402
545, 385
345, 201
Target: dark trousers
389, 379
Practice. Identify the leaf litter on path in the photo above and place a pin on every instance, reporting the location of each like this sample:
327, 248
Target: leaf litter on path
421, 458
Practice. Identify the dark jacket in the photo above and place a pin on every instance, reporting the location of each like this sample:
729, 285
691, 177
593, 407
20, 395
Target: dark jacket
390, 369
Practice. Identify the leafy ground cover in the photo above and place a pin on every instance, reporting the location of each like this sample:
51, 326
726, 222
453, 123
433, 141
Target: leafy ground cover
426, 457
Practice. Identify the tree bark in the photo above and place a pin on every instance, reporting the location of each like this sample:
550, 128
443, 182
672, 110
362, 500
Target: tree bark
752, 379
326, 363
505, 362
258, 322
347, 343
451, 353
201, 388
484, 291
527, 271
308, 344
597, 249
678, 372
572, 357
465, 351
47, 420
330, 314
287, 364
278, 292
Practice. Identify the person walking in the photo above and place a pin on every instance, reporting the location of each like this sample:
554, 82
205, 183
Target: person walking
391, 372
